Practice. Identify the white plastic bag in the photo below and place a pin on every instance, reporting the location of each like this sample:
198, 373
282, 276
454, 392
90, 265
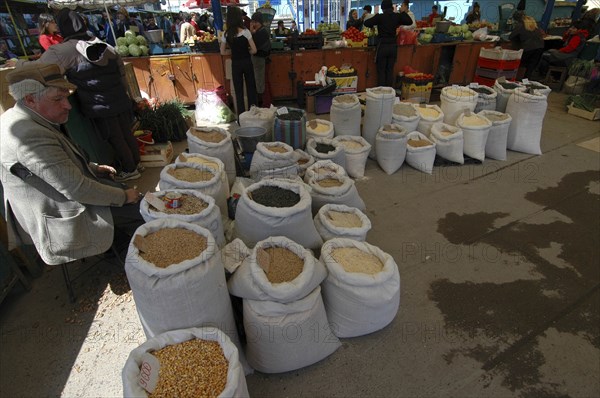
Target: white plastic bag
273, 158
405, 115
324, 168
390, 145
210, 108
480, 34
448, 146
222, 150
475, 134
345, 194
421, 158
455, 100
319, 128
527, 112
337, 155
236, 382
505, 93
430, 114
259, 117
345, 114
486, 97
356, 151
330, 227
495, 146
359, 303
380, 102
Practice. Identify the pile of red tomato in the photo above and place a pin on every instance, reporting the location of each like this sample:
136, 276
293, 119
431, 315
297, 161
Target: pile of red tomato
310, 32
423, 24
353, 34
419, 76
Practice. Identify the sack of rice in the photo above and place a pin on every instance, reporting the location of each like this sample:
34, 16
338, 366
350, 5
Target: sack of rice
341, 221
362, 289
176, 276
319, 128
185, 363
378, 111
192, 206
455, 100
430, 114
273, 159
448, 142
486, 97
420, 152
505, 89
537, 87
527, 112
281, 336
215, 142
334, 189
405, 115
214, 163
195, 176
495, 146
345, 114
275, 207
390, 145
356, 151
259, 117
323, 168
290, 127
326, 149
475, 130
304, 161
276, 269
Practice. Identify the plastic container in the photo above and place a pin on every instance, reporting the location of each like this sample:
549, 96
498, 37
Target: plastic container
500, 54
498, 63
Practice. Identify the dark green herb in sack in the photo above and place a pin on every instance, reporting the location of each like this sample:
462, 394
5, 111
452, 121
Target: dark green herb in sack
324, 148
274, 196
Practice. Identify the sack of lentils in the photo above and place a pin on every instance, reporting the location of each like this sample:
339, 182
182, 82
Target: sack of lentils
326, 149
193, 207
362, 289
195, 176
194, 362
176, 276
304, 161
281, 336
356, 151
215, 142
420, 152
390, 145
323, 168
274, 207
214, 163
290, 127
341, 221
334, 189
274, 159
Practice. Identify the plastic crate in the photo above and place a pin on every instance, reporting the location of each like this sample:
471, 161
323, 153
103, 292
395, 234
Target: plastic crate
309, 42
484, 81
498, 63
494, 73
500, 54
207, 47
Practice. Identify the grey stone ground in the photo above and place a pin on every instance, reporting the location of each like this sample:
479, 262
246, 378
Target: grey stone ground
500, 290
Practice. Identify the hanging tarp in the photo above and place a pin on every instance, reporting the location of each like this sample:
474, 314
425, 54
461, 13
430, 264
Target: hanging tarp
96, 4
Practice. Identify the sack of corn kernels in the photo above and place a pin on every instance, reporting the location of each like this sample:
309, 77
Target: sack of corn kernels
356, 151
275, 207
420, 152
282, 336
323, 168
390, 145
319, 128
406, 116
341, 221
304, 162
430, 114
495, 146
475, 130
527, 112
193, 362
215, 142
273, 159
455, 100
378, 111
176, 276
194, 176
448, 142
192, 206
345, 114
334, 189
326, 149
362, 289
214, 163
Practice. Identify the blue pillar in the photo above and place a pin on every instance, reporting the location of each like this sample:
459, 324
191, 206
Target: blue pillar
217, 15
577, 11
547, 14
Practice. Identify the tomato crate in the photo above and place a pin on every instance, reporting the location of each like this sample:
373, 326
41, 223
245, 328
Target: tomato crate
501, 64
362, 43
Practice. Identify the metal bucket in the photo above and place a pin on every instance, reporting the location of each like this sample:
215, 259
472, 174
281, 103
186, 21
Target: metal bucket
248, 137
155, 36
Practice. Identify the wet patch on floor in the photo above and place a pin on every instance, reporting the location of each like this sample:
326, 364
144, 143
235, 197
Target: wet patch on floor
509, 316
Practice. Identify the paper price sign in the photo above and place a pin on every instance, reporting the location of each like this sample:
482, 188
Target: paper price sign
148, 378
282, 111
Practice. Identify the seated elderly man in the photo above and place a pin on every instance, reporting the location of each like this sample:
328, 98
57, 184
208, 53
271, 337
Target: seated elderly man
54, 197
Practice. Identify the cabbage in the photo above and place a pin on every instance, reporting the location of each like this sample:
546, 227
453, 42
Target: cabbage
464, 27
121, 41
129, 33
123, 51
144, 50
135, 50
430, 31
468, 35
141, 40
131, 40
426, 37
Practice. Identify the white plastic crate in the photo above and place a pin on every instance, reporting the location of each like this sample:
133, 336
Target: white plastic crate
500, 54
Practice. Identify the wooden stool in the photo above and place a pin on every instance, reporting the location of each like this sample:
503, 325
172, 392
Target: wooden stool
551, 79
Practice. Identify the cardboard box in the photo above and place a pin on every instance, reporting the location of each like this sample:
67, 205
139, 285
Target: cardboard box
158, 155
362, 43
344, 85
418, 93
595, 115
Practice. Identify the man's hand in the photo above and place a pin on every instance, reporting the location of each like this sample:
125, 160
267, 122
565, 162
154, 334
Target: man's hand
133, 196
103, 170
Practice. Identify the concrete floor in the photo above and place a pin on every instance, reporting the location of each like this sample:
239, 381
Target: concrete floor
499, 265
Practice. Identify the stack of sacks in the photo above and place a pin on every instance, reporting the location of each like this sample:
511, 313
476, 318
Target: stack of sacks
273, 159
345, 114
341, 221
456, 100
214, 142
475, 130
390, 146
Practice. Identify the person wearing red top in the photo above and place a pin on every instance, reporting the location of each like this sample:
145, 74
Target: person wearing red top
574, 41
434, 14
48, 31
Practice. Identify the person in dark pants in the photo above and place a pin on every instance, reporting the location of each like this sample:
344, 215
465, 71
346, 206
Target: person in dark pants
528, 37
262, 40
387, 49
242, 47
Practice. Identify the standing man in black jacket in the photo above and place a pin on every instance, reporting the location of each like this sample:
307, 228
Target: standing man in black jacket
262, 39
387, 49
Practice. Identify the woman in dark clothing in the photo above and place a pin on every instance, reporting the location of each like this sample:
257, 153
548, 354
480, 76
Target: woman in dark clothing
387, 49
353, 20
528, 37
242, 47
474, 15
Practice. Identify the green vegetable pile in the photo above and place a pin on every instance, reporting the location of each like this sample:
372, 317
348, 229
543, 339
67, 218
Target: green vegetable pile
588, 102
166, 121
132, 45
